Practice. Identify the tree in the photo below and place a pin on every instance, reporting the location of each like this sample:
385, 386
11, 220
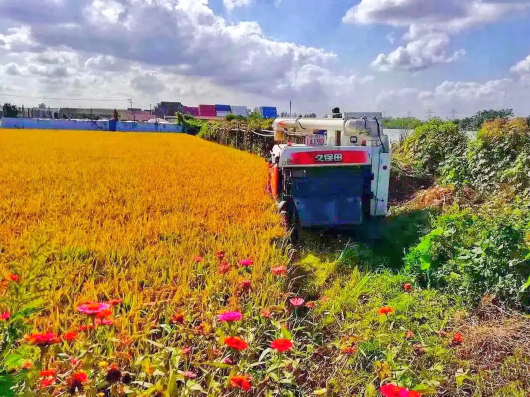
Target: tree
116, 115
476, 122
10, 110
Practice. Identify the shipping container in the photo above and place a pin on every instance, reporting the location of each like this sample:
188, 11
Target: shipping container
240, 111
268, 112
222, 114
192, 111
207, 111
223, 108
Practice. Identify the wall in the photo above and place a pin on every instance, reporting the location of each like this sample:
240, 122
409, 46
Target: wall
47, 124
50, 124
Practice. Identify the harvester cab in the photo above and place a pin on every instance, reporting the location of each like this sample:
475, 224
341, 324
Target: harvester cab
338, 177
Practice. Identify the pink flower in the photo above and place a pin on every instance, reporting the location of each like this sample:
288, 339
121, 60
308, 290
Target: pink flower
228, 361
5, 316
229, 317
186, 350
220, 255
92, 308
245, 284
189, 375
296, 302
14, 277
278, 270
246, 262
75, 361
103, 321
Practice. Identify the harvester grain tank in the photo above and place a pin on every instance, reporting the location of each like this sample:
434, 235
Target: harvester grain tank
334, 180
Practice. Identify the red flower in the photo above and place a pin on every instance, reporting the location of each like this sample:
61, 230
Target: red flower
310, 305
14, 277
391, 391
385, 310
177, 318
236, 343
220, 255
246, 262
46, 373
265, 313
278, 270
69, 336
5, 316
82, 328
43, 339
46, 382
104, 321
186, 350
407, 287
240, 382
104, 313
296, 302
457, 338
198, 259
409, 335
223, 268
75, 361
92, 308
114, 302
27, 365
78, 379
282, 345
245, 284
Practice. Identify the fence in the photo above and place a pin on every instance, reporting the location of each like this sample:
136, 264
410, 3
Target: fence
87, 125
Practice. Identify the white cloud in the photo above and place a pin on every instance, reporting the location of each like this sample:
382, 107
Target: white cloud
429, 23
231, 4
391, 37
522, 66
418, 54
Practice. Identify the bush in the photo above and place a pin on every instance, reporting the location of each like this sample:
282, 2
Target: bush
473, 255
429, 146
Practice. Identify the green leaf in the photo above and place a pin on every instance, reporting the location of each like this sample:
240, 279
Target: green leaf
286, 334
264, 354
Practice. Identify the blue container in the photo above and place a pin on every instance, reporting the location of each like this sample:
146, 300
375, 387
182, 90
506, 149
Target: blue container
223, 108
269, 112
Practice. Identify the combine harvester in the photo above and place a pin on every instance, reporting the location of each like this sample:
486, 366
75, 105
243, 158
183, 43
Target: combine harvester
338, 179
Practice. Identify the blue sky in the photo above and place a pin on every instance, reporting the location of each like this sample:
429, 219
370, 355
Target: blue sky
396, 56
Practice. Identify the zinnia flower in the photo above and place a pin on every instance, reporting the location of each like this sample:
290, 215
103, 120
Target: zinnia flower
240, 382
236, 343
77, 381
246, 284
5, 316
46, 382
14, 277
229, 317
385, 310
296, 302
310, 305
69, 336
177, 318
46, 373
104, 321
407, 287
282, 345
189, 375
457, 338
349, 349
278, 270
43, 339
246, 262
92, 308
198, 259
396, 391
265, 313
186, 350
27, 365
220, 255
409, 335
223, 268
113, 374
104, 313
75, 361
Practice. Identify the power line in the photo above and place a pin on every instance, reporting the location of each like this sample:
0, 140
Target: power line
429, 114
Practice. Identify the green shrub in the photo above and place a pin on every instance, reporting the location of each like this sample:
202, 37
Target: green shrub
429, 146
473, 255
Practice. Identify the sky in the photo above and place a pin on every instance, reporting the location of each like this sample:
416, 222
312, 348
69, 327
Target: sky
402, 57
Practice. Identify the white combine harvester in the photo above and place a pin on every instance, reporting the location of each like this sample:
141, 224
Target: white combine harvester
338, 178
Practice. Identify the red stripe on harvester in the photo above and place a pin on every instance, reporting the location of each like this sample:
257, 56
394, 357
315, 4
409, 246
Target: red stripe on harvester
348, 157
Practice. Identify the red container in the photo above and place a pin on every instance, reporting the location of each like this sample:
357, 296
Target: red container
207, 111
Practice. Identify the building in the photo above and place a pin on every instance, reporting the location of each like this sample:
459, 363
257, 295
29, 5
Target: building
86, 113
168, 109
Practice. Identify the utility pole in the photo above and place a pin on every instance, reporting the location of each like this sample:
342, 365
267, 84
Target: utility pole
132, 110
454, 112
409, 113
290, 108
150, 109
429, 114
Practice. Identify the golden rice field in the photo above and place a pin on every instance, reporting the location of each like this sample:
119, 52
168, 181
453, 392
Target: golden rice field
90, 216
